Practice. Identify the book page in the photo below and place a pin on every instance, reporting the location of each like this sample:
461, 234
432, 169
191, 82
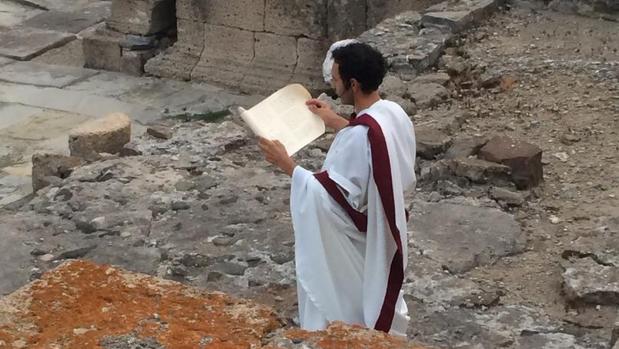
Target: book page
283, 116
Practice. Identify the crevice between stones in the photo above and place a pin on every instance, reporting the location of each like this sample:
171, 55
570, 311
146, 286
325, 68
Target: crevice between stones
569, 254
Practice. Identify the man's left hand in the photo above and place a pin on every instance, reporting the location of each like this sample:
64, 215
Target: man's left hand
275, 153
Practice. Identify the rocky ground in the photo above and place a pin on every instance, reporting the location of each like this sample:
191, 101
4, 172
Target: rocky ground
491, 266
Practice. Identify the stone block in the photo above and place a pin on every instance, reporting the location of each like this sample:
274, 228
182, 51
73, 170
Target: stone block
479, 171
586, 281
434, 78
308, 70
229, 52
345, 19
192, 10
454, 20
408, 49
393, 86
431, 142
459, 15
102, 50
297, 17
378, 10
273, 64
142, 17
132, 62
175, 63
191, 35
178, 61
524, 159
248, 15
427, 95
105, 135
484, 234
24, 43
45, 166
464, 147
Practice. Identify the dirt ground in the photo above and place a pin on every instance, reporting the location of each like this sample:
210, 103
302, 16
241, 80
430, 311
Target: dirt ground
565, 99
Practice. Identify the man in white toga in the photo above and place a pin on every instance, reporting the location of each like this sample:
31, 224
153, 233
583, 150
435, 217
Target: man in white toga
349, 219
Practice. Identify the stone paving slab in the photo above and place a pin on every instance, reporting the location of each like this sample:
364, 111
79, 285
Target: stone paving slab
39, 74
74, 101
12, 13
65, 5
11, 114
26, 43
5, 61
70, 22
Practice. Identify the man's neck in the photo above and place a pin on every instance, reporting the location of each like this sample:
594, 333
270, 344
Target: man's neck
364, 101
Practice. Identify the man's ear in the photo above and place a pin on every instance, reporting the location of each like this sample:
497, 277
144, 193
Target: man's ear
354, 84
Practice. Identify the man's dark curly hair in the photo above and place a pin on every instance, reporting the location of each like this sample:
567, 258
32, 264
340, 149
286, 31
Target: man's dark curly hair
363, 63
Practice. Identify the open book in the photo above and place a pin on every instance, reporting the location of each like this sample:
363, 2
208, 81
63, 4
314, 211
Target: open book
283, 116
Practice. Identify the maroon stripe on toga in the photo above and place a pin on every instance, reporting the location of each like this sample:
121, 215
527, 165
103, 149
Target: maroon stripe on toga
382, 177
359, 219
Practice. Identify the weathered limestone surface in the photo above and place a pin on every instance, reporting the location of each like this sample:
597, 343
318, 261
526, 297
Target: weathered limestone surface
51, 165
143, 17
179, 61
115, 51
524, 159
591, 282
70, 21
105, 135
24, 43
102, 306
43, 74
483, 235
297, 18
459, 15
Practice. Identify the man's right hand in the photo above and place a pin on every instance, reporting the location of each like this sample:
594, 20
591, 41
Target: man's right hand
324, 111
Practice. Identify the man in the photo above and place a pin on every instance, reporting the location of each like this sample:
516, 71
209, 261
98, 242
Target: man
349, 220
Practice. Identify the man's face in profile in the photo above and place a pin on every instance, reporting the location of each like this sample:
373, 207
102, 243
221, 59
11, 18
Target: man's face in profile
338, 85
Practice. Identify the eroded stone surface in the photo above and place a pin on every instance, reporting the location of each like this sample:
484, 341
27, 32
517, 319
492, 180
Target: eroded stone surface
94, 303
483, 234
43, 74
105, 135
591, 282
24, 43
524, 159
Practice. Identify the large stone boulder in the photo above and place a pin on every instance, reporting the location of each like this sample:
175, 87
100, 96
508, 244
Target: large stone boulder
524, 159
98, 306
105, 135
46, 168
587, 281
483, 234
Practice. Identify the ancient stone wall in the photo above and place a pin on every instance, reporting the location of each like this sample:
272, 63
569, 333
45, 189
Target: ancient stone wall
259, 46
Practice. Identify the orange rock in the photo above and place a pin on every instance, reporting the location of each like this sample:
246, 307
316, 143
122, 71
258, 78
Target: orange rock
82, 305
79, 304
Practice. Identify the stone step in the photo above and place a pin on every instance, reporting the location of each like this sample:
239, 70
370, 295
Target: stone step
38, 74
23, 43
459, 15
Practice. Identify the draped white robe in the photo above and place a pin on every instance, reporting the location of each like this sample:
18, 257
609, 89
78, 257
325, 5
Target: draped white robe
343, 273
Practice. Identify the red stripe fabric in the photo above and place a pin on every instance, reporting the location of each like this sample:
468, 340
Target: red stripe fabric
359, 219
382, 177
